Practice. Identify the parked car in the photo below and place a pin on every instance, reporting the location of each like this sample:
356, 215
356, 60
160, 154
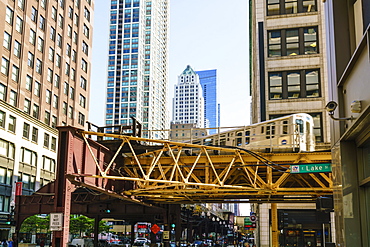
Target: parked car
116, 243
141, 242
82, 242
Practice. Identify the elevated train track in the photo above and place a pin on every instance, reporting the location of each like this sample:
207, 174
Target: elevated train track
173, 172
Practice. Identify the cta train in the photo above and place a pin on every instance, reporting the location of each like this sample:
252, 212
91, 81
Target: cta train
292, 133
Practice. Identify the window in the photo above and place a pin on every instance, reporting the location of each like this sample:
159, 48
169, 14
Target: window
38, 66
85, 48
87, 14
27, 106
317, 126
40, 44
15, 73
65, 106
9, 16
70, 12
11, 123
35, 134
26, 130
28, 85
52, 33
7, 40
42, 23
7, 149
294, 84
56, 81
55, 101
291, 42
282, 7
2, 119
57, 61
19, 25
81, 119
46, 140
76, 19
2, 92
21, 4
71, 93
13, 98
49, 76
47, 118
84, 65
68, 50
30, 60
48, 96
36, 90
61, 3
28, 181
54, 121
5, 66
59, 40
70, 112
69, 31
74, 55
83, 83
73, 74
35, 111
28, 156
75, 37
17, 49
60, 21
48, 164
51, 54
82, 101
67, 69
53, 145
65, 88
43, 4
54, 13
86, 31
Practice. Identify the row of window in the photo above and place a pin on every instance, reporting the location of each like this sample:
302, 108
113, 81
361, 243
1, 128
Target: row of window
283, 7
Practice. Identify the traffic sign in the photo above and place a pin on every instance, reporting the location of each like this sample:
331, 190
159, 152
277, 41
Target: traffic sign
253, 218
155, 228
166, 234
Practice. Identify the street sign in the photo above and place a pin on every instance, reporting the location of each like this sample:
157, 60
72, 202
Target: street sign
155, 228
56, 221
310, 168
253, 218
166, 234
247, 222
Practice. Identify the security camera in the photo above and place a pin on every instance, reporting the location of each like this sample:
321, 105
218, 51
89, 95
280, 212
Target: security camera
331, 106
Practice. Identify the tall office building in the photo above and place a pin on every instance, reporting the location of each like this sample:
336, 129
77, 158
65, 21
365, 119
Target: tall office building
44, 82
208, 80
137, 83
188, 103
289, 75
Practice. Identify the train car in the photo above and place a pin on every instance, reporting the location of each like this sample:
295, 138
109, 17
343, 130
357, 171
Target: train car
292, 133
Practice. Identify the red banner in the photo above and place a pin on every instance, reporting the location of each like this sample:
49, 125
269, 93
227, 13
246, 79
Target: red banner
18, 188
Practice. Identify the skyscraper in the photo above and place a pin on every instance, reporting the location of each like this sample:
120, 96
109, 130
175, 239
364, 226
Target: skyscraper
137, 84
208, 80
44, 82
188, 103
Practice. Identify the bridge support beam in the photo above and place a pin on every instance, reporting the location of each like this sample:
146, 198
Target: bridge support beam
274, 224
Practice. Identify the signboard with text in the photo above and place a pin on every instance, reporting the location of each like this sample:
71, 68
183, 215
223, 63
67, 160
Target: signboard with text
56, 221
310, 168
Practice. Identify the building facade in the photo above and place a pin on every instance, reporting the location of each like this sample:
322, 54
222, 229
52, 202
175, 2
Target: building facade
44, 82
348, 40
137, 84
188, 103
289, 75
208, 80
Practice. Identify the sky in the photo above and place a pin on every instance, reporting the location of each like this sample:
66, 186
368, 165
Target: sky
205, 34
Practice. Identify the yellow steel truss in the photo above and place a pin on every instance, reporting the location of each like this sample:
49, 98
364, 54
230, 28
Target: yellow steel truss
188, 173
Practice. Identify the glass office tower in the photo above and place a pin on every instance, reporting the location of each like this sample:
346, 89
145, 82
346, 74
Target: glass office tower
137, 84
208, 80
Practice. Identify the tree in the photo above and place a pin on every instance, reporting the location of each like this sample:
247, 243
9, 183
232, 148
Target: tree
36, 223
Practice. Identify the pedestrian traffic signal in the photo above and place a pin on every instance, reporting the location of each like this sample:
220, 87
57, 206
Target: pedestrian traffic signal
173, 225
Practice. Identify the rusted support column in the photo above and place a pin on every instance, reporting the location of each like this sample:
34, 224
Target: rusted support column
63, 188
274, 225
96, 230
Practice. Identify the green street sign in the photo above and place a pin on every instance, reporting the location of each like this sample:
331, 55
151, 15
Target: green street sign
310, 168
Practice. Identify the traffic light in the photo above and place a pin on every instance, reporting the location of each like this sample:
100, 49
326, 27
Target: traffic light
107, 211
9, 219
173, 225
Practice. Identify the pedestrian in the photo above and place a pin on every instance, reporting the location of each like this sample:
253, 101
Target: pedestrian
10, 242
42, 243
5, 243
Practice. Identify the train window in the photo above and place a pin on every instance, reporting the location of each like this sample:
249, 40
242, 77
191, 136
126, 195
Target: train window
299, 123
238, 141
262, 129
239, 134
247, 134
285, 127
270, 131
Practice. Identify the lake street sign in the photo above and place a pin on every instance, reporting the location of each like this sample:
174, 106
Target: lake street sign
310, 168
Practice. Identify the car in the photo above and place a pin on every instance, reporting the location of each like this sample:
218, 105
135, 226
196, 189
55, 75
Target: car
141, 242
197, 243
116, 243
